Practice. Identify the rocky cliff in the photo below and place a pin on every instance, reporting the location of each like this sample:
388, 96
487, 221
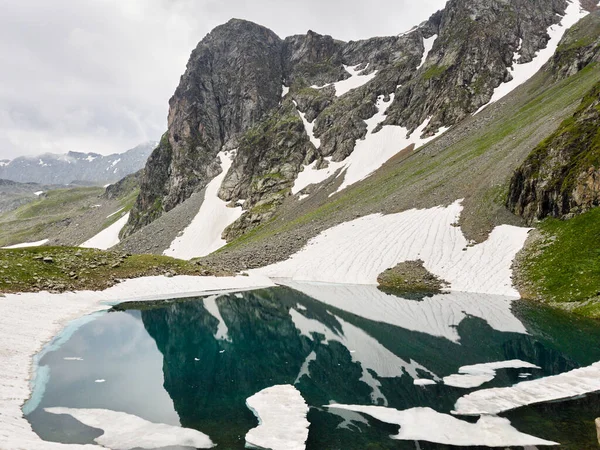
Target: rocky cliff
244, 88
562, 174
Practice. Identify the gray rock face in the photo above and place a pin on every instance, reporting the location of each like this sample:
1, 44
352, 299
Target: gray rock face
562, 175
230, 97
90, 168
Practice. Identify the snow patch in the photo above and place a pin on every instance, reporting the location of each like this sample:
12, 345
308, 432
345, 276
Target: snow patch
281, 413
115, 162
109, 237
424, 382
356, 252
356, 80
204, 235
38, 193
558, 387
425, 424
284, 91
477, 374
27, 244
377, 148
90, 158
428, 45
523, 72
125, 431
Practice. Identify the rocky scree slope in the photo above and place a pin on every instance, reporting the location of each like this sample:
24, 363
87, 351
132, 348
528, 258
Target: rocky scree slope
73, 167
234, 95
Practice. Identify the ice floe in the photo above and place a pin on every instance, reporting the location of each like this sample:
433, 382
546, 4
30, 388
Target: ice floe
438, 315
28, 321
522, 72
356, 80
109, 237
557, 387
425, 424
365, 350
356, 252
123, 431
27, 244
478, 374
281, 412
204, 235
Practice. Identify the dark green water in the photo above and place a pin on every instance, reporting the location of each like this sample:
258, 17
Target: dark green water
177, 363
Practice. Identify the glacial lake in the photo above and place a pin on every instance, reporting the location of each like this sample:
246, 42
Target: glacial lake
194, 362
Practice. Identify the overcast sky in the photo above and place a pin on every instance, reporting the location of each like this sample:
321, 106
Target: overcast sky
96, 75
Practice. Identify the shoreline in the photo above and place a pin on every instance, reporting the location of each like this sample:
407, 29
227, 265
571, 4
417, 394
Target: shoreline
30, 321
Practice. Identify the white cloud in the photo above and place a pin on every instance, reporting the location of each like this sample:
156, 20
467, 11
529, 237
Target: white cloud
96, 75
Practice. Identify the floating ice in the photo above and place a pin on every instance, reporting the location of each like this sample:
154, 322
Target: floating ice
425, 424
281, 412
558, 387
125, 431
476, 375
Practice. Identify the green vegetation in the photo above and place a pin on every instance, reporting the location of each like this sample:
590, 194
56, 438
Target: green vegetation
564, 266
57, 200
67, 268
434, 71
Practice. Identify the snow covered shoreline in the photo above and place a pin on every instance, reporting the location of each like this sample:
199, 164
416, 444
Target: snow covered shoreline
29, 321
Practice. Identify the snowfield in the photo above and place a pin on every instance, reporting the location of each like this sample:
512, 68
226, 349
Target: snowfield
281, 413
203, 235
29, 321
356, 252
109, 237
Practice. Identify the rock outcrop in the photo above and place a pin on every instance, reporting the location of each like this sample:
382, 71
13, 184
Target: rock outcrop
562, 175
232, 97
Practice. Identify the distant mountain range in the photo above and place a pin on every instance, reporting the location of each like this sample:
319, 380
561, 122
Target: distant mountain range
76, 167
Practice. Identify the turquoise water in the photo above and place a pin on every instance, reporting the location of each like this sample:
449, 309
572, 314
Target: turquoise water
194, 362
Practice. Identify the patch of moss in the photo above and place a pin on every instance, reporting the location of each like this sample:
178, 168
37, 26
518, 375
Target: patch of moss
434, 71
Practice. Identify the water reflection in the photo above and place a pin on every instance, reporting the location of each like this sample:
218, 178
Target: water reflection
195, 362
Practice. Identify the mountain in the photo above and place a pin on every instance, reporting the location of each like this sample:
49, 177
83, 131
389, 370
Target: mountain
306, 102
75, 167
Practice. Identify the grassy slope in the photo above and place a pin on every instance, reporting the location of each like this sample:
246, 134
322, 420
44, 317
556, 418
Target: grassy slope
474, 161
23, 270
563, 266
30, 222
